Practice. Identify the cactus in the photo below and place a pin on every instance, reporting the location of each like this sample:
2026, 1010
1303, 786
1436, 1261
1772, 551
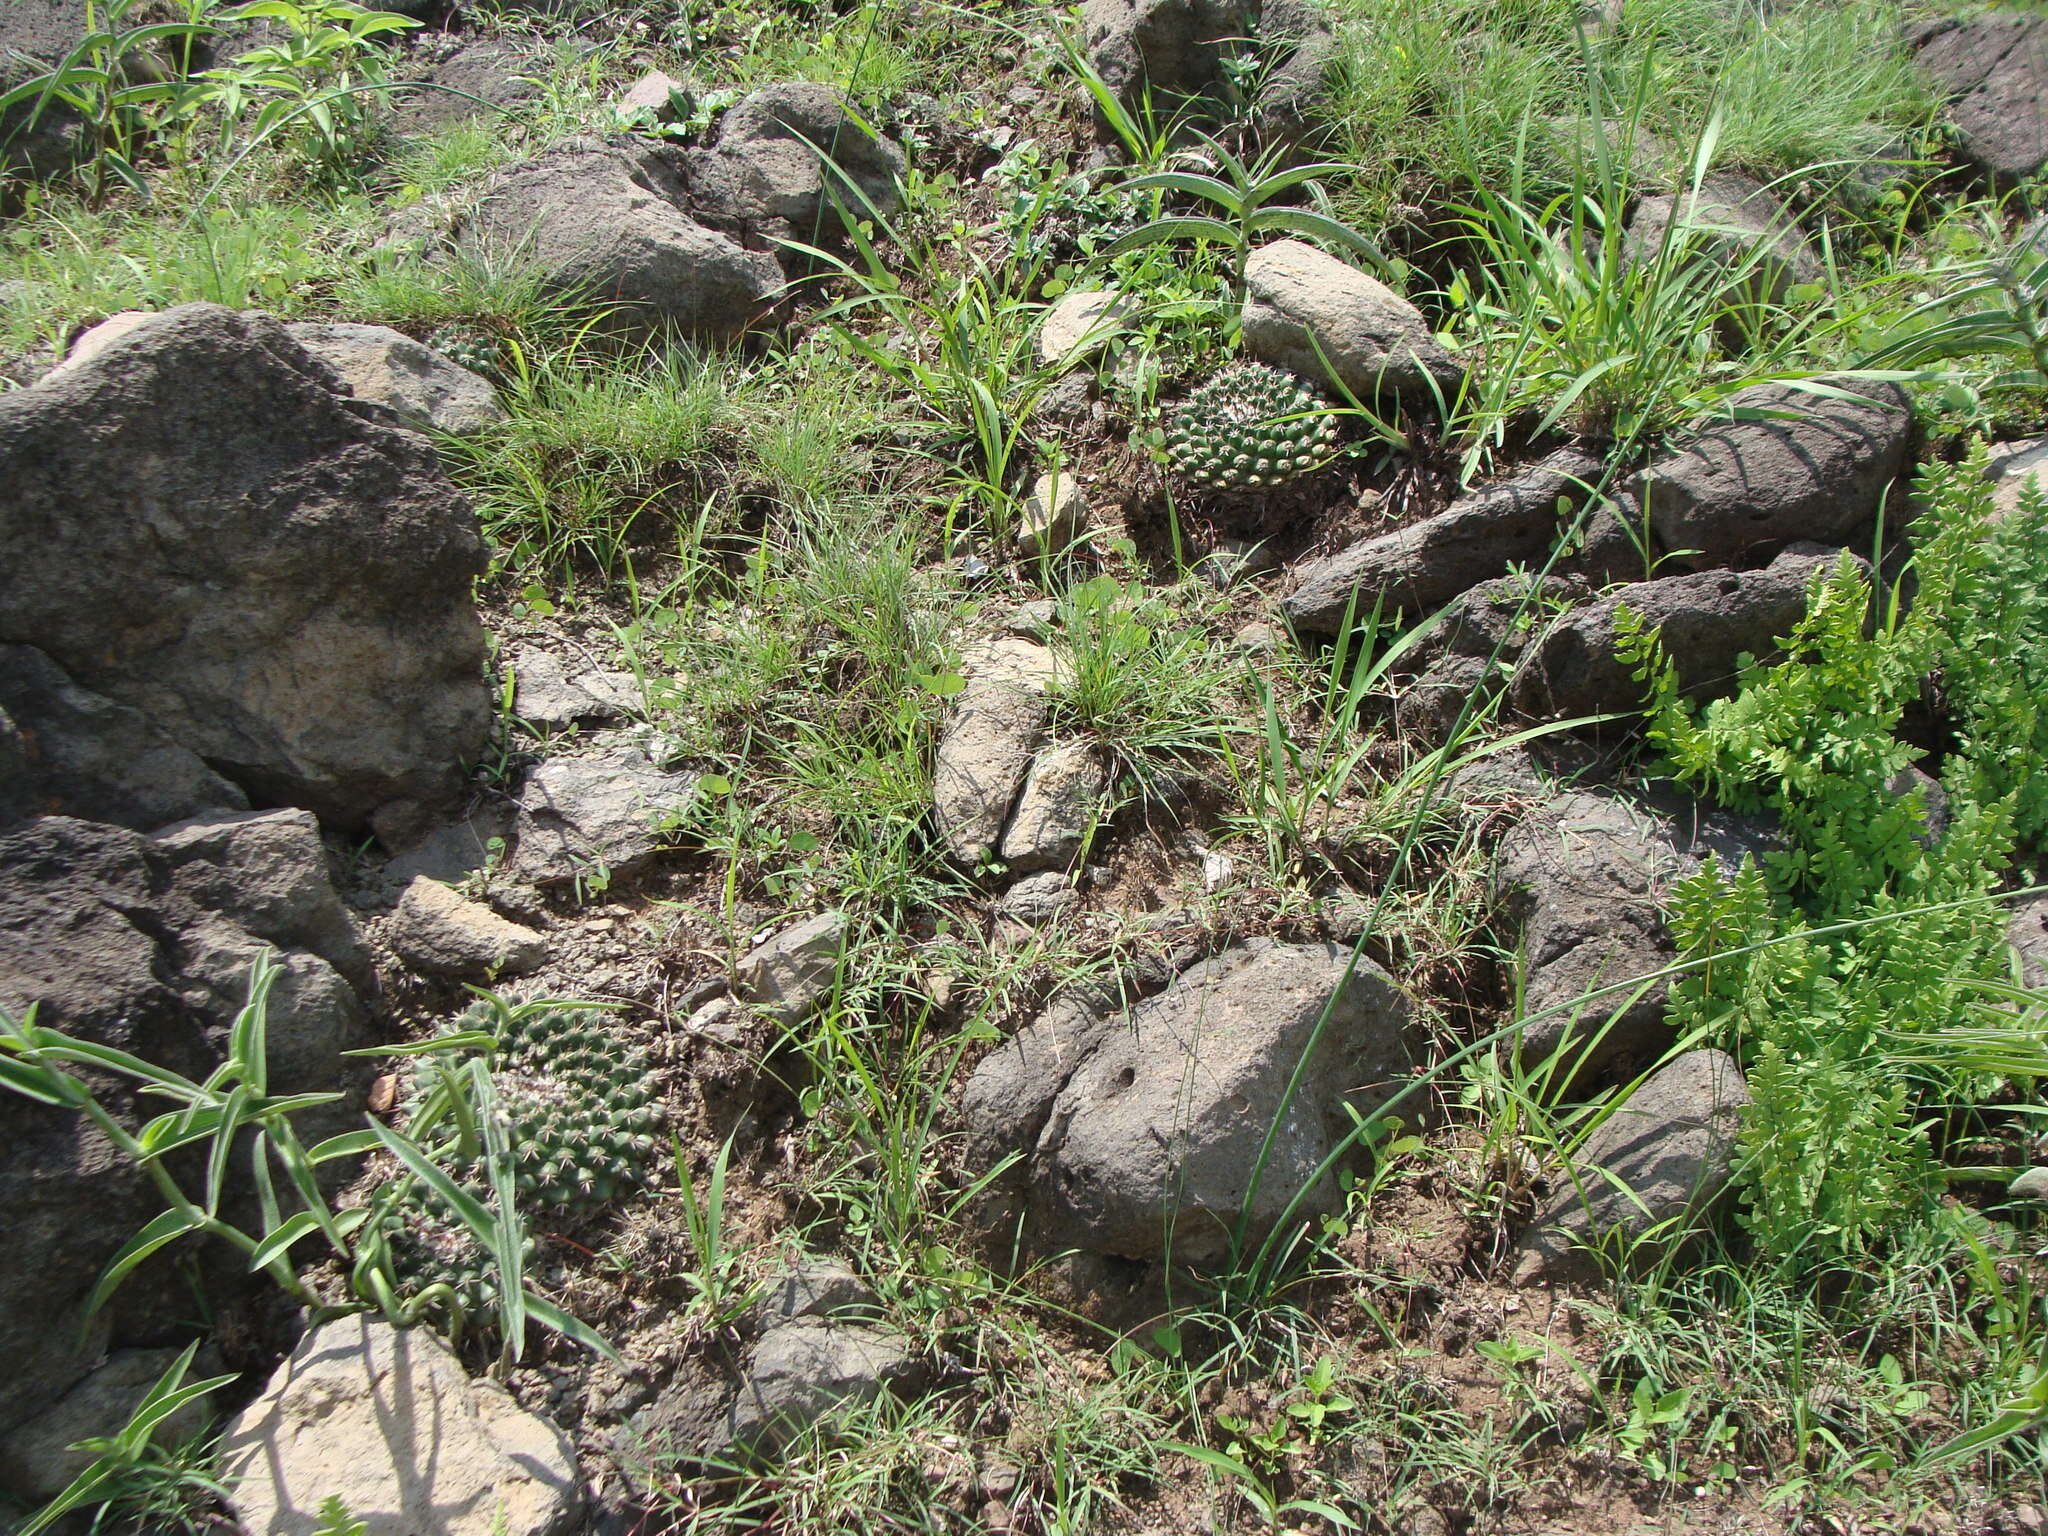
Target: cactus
472, 348
581, 1123
1234, 431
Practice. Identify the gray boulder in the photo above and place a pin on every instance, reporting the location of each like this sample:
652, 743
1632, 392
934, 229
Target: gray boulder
483, 78
1472, 648
388, 1421
1313, 315
782, 157
201, 527
1142, 1125
1427, 563
1657, 1162
597, 819
1586, 877
608, 222
1993, 66
425, 390
1813, 468
145, 945
1057, 808
1731, 222
985, 749
439, 932
83, 755
1708, 620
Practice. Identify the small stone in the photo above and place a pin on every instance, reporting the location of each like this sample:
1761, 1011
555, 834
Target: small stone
2030, 1185
793, 972
440, 933
1052, 517
985, 749
1080, 322
2013, 468
805, 1371
597, 819
1217, 870
1057, 808
656, 94
814, 1287
548, 692
1258, 638
427, 391
1038, 899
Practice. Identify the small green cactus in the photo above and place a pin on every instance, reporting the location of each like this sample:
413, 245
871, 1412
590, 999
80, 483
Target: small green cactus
1249, 426
470, 346
580, 1119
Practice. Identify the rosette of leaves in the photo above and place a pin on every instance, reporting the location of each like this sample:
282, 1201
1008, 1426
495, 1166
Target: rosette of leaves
575, 1111
1250, 426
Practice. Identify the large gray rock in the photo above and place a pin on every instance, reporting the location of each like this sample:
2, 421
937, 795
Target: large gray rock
387, 1421
84, 755
1586, 877
1141, 1126
592, 820
1316, 316
145, 946
37, 1461
483, 78
1815, 468
1708, 621
1059, 805
200, 527
1472, 649
1994, 68
1734, 224
1427, 563
783, 156
1662, 1158
608, 223
38, 144
985, 749
425, 390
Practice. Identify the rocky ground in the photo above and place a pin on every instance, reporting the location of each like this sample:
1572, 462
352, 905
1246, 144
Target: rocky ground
1056, 952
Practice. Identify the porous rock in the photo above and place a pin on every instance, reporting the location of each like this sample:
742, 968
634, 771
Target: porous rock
1172, 47
1708, 620
1427, 563
608, 222
200, 527
1141, 1124
1314, 315
483, 78
387, 1421
785, 158
1663, 1156
1586, 877
1993, 66
422, 388
83, 755
1057, 807
596, 819
986, 747
36, 1459
1817, 467
1731, 222
439, 932
145, 945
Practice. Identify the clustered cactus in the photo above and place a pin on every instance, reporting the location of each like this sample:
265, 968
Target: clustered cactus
471, 347
1250, 425
580, 1119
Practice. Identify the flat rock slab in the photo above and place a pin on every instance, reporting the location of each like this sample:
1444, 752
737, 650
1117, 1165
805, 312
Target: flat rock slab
597, 819
549, 690
1811, 467
1429, 562
1663, 1156
387, 1421
2015, 469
